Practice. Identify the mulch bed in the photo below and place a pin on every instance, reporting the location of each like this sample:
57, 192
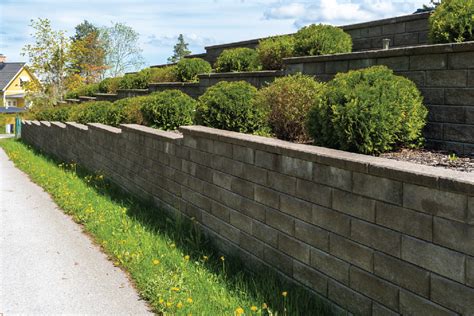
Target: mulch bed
433, 158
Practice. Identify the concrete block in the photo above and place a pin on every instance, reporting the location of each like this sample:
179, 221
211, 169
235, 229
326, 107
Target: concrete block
201, 157
378, 188
470, 271
418, 77
406, 39
464, 60
314, 68
240, 221
349, 299
222, 149
331, 220
452, 295
374, 287
278, 260
395, 63
411, 304
252, 209
313, 192
267, 196
376, 237
402, 273
265, 233
393, 28
221, 179
280, 221
281, 182
375, 30
433, 96
205, 144
443, 261
429, 62
243, 154
331, 176
404, 220
460, 96
294, 248
243, 188
330, 265
454, 235
296, 167
334, 67
458, 132
354, 205
380, 310
447, 114
267, 160
433, 131
446, 78
431, 201
252, 245
312, 235
310, 277
361, 63
417, 25
352, 252
295, 207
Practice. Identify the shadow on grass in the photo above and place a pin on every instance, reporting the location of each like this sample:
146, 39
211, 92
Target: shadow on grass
265, 283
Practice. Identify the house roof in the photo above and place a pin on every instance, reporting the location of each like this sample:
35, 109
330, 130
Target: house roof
8, 71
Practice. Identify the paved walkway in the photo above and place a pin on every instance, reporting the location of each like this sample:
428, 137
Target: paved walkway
47, 265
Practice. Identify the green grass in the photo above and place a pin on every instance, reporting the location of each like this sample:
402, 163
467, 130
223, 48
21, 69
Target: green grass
171, 263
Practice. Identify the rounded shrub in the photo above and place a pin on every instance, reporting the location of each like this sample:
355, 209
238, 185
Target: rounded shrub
452, 21
289, 100
168, 110
96, 112
368, 111
55, 114
137, 80
109, 85
87, 90
162, 74
320, 39
187, 69
237, 59
229, 106
130, 109
272, 50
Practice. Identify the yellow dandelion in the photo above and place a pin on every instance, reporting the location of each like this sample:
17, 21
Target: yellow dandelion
161, 301
239, 311
175, 289
169, 304
179, 305
285, 293
264, 306
186, 258
156, 262
222, 258
189, 300
253, 308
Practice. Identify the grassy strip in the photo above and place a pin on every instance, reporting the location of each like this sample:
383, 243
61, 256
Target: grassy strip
171, 263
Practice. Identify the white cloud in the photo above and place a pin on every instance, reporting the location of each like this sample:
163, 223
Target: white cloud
289, 11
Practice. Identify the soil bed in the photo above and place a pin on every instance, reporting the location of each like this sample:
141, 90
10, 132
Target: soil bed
433, 158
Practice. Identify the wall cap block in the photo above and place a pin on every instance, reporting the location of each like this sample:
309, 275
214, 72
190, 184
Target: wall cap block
151, 132
103, 127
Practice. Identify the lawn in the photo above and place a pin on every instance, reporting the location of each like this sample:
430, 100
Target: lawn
170, 261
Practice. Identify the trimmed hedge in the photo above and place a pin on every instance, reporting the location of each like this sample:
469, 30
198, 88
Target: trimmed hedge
109, 85
141, 79
229, 106
289, 100
60, 113
368, 111
168, 109
187, 69
130, 110
238, 59
96, 112
452, 21
87, 90
272, 50
319, 39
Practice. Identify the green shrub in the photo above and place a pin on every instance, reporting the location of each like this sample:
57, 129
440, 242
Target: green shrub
87, 90
137, 80
55, 114
452, 21
272, 50
238, 59
289, 100
109, 85
368, 111
141, 79
168, 109
229, 106
162, 74
130, 109
187, 69
319, 39
96, 112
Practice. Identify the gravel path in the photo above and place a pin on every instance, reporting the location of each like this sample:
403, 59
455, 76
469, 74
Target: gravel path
47, 265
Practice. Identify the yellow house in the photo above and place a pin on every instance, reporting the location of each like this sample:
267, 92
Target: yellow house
13, 77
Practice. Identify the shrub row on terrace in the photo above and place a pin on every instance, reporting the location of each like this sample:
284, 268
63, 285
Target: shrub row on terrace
368, 111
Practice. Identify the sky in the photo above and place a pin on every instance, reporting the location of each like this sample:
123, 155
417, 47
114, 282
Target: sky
203, 22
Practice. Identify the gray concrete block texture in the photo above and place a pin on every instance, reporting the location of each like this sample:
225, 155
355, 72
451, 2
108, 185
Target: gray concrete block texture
373, 242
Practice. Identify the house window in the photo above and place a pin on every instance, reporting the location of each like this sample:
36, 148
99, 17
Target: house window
11, 102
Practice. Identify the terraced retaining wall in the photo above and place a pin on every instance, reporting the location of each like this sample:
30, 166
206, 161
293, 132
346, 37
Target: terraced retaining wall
408, 30
374, 236
443, 73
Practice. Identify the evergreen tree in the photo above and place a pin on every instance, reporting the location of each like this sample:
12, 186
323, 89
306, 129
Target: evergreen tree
180, 50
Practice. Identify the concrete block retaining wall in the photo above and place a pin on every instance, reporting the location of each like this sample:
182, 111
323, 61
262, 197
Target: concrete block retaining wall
443, 73
374, 236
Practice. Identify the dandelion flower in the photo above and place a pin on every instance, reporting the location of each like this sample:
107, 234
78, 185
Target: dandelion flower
175, 289
264, 306
179, 305
156, 262
161, 301
189, 300
253, 308
186, 258
169, 304
285, 293
222, 258
239, 311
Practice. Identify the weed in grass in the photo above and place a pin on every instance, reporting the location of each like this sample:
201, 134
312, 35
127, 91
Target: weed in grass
171, 262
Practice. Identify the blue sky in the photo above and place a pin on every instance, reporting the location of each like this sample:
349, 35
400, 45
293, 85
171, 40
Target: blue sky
203, 22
